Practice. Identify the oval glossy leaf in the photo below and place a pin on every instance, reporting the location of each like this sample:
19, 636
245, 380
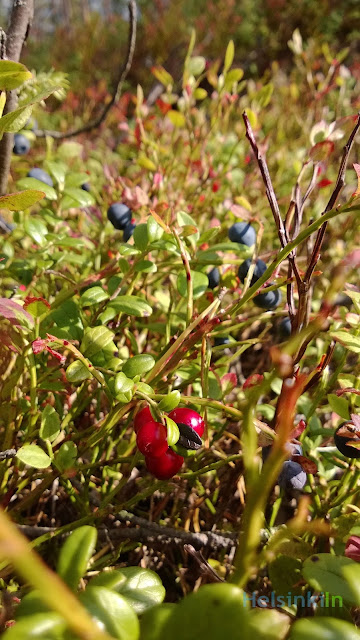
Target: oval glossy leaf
170, 401
66, 456
131, 305
324, 572
77, 372
122, 383
74, 197
138, 365
176, 118
200, 284
349, 341
22, 200
34, 184
323, 628
12, 75
173, 433
145, 265
36, 229
42, 626
229, 56
97, 339
141, 238
50, 424
34, 456
109, 579
75, 555
268, 624
196, 65
215, 611
142, 589
154, 231
154, 619
94, 295
113, 611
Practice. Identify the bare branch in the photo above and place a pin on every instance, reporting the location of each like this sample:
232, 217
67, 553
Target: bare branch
8, 453
340, 182
94, 124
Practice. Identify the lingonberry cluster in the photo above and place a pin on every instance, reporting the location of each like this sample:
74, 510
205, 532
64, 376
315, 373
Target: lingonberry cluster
151, 438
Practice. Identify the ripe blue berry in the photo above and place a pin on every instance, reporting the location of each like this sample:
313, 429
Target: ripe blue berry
21, 144
292, 476
285, 327
268, 300
128, 231
41, 175
243, 233
86, 186
259, 270
220, 341
214, 278
119, 215
347, 433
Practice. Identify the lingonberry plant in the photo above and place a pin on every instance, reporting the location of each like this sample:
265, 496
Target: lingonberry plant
205, 426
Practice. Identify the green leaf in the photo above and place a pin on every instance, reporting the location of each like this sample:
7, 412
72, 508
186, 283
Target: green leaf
324, 572
339, 405
154, 231
173, 433
268, 624
67, 320
154, 619
144, 388
21, 200
12, 75
77, 372
37, 307
34, 456
229, 56
323, 628
176, 118
123, 384
138, 365
66, 456
36, 229
33, 183
142, 588
232, 77
70, 149
50, 424
75, 555
196, 65
92, 296
112, 579
215, 611
97, 339
113, 611
58, 170
131, 305
200, 93
162, 76
284, 573
140, 236
145, 266
74, 197
42, 626
16, 120
351, 574
200, 284
170, 401
347, 339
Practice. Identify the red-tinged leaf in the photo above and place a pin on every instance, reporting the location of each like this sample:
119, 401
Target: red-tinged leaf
357, 170
308, 465
160, 221
324, 183
321, 151
38, 345
352, 549
353, 259
228, 382
253, 380
14, 312
300, 427
163, 106
36, 306
56, 355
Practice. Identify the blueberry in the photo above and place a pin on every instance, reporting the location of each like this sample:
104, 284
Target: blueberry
214, 278
268, 300
119, 215
220, 341
285, 327
243, 233
342, 300
128, 231
86, 186
294, 448
292, 476
41, 175
345, 433
260, 268
21, 144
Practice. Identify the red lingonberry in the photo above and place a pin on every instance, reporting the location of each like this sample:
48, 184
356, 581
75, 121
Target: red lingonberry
188, 417
165, 466
151, 439
142, 418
